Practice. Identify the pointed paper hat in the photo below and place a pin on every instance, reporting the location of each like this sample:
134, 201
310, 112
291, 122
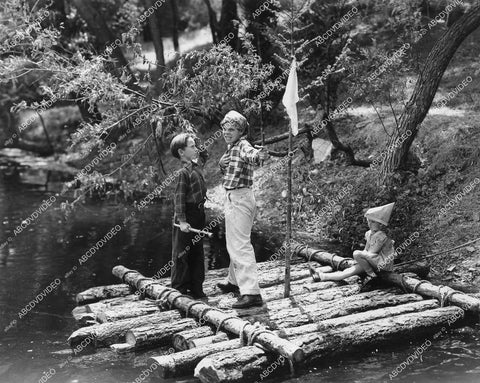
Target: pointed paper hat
380, 214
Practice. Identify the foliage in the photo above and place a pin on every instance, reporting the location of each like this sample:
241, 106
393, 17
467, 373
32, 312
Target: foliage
222, 81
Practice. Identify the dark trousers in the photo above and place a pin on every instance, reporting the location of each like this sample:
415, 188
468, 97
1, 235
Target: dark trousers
188, 270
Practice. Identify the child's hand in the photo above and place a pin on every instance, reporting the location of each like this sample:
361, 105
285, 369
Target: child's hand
224, 161
185, 227
262, 153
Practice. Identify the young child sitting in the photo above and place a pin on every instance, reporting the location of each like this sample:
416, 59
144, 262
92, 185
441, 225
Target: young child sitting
378, 254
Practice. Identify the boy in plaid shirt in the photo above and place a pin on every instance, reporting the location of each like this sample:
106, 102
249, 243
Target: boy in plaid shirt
237, 166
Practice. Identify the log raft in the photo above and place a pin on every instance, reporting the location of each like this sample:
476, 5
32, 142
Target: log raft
217, 344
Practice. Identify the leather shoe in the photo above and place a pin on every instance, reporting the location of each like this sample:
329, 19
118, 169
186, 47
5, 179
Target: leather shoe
228, 287
246, 301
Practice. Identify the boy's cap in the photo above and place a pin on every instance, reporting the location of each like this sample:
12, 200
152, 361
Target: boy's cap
380, 214
237, 118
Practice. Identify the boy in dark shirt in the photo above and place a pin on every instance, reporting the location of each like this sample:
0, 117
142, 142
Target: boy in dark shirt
188, 271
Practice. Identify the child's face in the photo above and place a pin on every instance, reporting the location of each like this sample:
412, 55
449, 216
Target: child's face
373, 225
231, 133
190, 151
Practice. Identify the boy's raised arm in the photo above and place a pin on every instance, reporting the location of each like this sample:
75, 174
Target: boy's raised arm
249, 154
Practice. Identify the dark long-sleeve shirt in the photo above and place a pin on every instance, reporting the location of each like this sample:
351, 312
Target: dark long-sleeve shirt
190, 189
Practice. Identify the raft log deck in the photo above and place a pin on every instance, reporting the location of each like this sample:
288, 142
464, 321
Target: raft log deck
213, 342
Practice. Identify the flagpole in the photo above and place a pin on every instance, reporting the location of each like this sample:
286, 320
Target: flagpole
288, 252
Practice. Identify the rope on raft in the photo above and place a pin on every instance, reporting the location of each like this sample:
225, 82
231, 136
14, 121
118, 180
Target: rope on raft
444, 296
190, 305
223, 321
256, 332
128, 272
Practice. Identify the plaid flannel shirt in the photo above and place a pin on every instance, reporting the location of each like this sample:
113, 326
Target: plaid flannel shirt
242, 158
190, 188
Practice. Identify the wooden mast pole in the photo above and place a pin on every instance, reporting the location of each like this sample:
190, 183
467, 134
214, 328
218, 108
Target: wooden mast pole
288, 252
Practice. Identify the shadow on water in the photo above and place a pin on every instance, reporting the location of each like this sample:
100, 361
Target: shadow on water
51, 246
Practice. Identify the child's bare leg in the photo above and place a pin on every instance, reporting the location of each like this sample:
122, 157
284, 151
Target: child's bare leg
362, 260
341, 275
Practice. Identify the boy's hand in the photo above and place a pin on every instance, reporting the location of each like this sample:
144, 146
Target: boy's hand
262, 153
185, 227
224, 161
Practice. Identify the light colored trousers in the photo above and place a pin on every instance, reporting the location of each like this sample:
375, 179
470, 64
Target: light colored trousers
240, 209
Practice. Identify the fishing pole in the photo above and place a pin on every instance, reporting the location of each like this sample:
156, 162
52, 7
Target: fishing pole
435, 254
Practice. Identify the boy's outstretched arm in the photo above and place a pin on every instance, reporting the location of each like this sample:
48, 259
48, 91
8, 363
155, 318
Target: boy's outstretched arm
249, 154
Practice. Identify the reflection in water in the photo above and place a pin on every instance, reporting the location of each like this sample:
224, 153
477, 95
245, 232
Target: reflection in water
50, 247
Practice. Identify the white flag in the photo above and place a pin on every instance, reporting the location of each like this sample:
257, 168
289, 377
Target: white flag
290, 98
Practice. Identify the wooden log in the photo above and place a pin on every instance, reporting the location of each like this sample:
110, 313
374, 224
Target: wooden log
266, 278
326, 291
127, 310
183, 363
302, 315
340, 263
209, 314
424, 288
280, 137
198, 342
154, 335
122, 348
95, 307
250, 364
353, 319
307, 299
269, 277
212, 277
427, 289
97, 293
246, 364
406, 327
181, 339
105, 334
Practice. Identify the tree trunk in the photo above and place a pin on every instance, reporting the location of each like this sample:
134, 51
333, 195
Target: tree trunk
212, 18
352, 319
155, 30
104, 36
184, 362
425, 88
280, 137
154, 335
97, 293
228, 15
211, 315
180, 340
109, 333
176, 46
